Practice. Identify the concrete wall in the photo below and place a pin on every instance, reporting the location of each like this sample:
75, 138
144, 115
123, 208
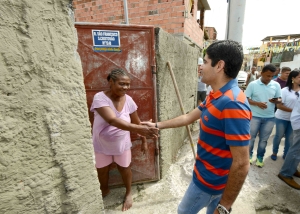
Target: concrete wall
183, 59
46, 163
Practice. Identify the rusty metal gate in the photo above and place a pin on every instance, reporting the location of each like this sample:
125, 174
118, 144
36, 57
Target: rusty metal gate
103, 47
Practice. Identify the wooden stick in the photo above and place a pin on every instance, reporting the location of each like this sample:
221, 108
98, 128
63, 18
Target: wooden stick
181, 106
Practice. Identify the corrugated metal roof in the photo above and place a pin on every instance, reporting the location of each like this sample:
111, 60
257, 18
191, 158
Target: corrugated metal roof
282, 37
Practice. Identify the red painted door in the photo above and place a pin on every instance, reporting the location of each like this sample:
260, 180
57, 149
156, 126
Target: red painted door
135, 54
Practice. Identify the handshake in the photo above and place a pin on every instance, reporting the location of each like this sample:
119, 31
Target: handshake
147, 129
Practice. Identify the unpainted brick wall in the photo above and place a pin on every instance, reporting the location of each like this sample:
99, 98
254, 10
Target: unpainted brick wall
170, 15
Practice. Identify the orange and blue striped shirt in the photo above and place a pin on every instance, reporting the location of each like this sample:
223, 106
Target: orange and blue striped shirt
225, 121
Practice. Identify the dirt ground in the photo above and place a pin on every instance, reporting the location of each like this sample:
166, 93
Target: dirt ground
263, 192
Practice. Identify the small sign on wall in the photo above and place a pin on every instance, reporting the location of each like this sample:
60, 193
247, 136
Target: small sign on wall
106, 41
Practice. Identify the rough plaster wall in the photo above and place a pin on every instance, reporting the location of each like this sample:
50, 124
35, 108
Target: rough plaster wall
46, 163
183, 59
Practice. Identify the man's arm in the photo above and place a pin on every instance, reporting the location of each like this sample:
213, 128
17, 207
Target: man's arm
179, 121
237, 175
255, 103
248, 78
275, 100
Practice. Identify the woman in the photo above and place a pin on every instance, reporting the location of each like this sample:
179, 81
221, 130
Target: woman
290, 93
115, 115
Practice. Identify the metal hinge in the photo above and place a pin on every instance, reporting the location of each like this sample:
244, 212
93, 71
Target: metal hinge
153, 69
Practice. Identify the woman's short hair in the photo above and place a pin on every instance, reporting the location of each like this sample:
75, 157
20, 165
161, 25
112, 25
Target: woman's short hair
115, 73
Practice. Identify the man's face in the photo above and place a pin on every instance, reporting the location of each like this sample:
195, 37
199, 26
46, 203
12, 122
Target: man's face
267, 76
284, 75
199, 70
253, 69
207, 71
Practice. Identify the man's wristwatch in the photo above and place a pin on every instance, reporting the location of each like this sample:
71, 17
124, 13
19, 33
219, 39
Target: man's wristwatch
222, 210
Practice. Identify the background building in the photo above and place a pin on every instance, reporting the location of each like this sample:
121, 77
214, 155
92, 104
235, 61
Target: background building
280, 50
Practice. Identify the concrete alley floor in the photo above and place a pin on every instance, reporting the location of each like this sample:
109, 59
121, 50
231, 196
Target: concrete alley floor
263, 192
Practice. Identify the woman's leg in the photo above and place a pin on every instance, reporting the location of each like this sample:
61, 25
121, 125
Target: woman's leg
102, 164
127, 179
123, 162
103, 175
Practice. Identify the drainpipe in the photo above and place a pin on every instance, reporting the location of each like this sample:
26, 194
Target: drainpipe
126, 12
235, 20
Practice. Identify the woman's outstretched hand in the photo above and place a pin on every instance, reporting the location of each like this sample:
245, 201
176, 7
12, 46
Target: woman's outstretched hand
148, 132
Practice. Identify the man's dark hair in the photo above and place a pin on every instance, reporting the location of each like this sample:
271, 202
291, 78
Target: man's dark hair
268, 67
283, 69
231, 52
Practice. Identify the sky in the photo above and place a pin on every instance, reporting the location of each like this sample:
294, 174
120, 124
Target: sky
262, 18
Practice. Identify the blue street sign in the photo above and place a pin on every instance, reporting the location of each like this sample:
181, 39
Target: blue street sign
106, 38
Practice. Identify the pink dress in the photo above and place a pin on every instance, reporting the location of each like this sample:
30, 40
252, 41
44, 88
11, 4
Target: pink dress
107, 139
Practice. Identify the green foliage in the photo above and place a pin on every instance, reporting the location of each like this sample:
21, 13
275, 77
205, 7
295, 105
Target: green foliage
204, 52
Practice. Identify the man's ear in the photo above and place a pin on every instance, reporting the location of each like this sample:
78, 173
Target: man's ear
221, 65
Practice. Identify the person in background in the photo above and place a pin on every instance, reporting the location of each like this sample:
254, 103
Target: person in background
276, 73
222, 161
292, 159
201, 91
251, 76
262, 95
285, 71
283, 114
115, 116
209, 89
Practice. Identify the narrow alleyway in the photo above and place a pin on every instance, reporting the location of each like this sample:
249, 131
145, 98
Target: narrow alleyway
262, 193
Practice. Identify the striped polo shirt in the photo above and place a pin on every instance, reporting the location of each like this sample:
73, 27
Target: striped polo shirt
225, 121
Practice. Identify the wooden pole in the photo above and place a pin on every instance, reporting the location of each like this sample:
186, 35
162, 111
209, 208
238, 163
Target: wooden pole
181, 106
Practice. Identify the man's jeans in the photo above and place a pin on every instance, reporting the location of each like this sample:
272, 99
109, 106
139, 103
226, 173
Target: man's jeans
263, 127
283, 127
195, 199
292, 158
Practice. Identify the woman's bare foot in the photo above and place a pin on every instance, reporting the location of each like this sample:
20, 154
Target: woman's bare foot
127, 203
105, 193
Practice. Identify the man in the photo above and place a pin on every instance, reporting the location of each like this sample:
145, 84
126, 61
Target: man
285, 71
292, 158
251, 76
276, 73
223, 145
201, 92
262, 95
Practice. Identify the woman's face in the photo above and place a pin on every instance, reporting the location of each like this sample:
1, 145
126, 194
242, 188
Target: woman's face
296, 80
120, 86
